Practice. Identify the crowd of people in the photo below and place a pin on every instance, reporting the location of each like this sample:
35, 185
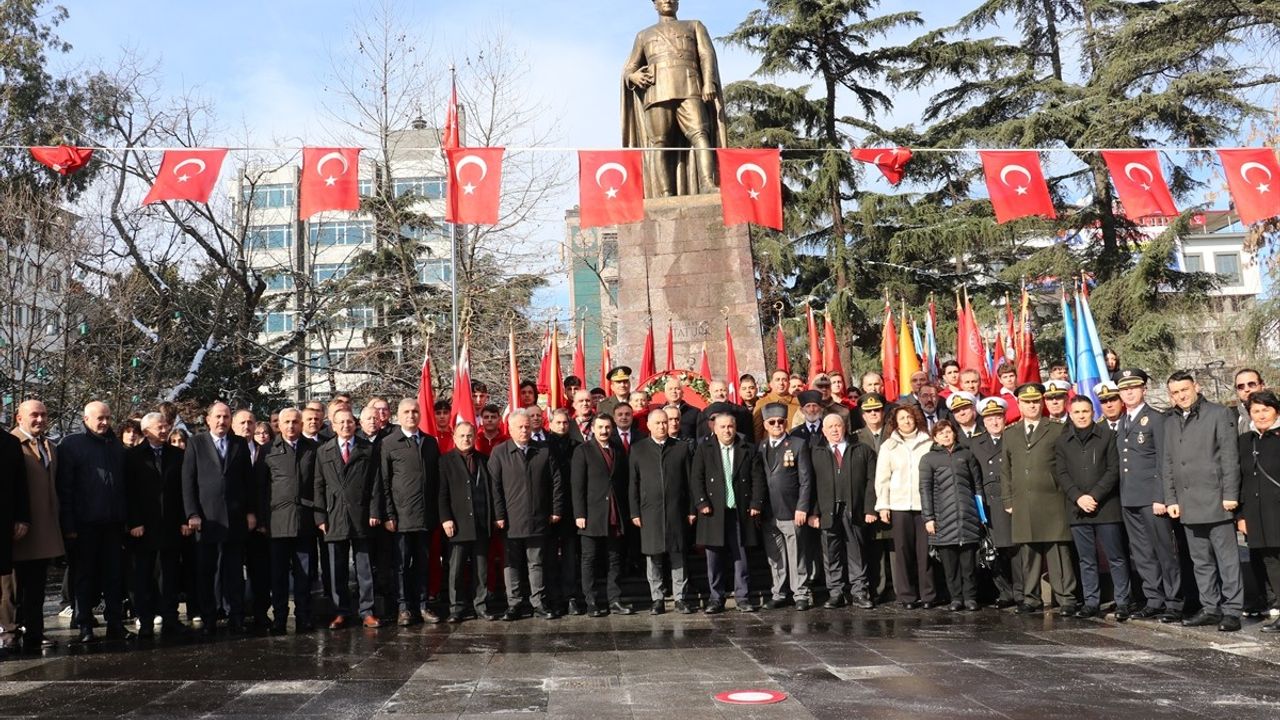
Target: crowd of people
941, 499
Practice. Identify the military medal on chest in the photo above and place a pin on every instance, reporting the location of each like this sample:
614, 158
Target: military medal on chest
1142, 437
788, 458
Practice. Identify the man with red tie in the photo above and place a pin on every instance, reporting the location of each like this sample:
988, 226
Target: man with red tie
599, 478
626, 431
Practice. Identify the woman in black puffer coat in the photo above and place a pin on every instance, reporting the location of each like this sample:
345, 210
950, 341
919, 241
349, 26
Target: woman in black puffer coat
949, 478
1259, 517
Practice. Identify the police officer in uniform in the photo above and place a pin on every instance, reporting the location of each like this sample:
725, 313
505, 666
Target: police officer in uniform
1152, 541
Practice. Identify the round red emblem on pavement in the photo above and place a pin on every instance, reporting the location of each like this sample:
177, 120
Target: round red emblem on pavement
751, 697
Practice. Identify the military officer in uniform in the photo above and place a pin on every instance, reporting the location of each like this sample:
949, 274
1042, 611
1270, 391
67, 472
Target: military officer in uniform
1056, 393
620, 386
1039, 510
1152, 542
988, 450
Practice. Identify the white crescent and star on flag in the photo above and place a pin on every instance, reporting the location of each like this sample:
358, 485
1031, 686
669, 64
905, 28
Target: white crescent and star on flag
757, 170
469, 188
612, 192
1128, 172
1261, 187
183, 177
332, 179
1008, 169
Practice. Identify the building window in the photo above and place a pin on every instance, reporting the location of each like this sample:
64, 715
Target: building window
435, 272
353, 232
364, 186
1192, 263
430, 188
360, 317
1228, 265
269, 196
280, 281
278, 322
434, 233
270, 237
55, 282
332, 271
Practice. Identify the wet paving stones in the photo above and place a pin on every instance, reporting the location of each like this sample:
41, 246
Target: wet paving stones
884, 663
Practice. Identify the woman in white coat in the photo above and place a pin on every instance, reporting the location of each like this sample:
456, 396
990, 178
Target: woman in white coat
898, 504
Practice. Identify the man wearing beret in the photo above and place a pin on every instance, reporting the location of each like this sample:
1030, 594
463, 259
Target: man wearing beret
1153, 543
1039, 510
789, 477
619, 388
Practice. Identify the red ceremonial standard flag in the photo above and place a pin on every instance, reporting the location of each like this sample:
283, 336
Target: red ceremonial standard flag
62, 159
462, 409
555, 385
892, 162
544, 365
610, 187
831, 350
704, 364
330, 180
783, 362
1139, 182
579, 359
475, 183
1251, 177
969, 351
648, 367
751, 186
1016, 184
815, 347
452, 135
731, 367
671, 349
606, 363
427, 399
889, 355
186, 175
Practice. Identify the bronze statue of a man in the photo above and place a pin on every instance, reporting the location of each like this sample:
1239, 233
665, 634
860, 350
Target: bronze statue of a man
671, 98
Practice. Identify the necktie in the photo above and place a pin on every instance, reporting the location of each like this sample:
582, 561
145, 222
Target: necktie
222, 448
726, 453
417, 440
1115, 425
626, 440
813, 429
44, 454
1031, 430
835, 450
608, 457
346, 452
159, 453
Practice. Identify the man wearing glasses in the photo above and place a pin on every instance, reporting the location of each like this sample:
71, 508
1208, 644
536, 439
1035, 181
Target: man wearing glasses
1248, 382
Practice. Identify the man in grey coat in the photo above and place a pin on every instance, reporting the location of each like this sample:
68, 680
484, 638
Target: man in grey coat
1202, 488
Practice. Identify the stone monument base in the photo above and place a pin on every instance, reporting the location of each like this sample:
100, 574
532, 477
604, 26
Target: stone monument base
682, 264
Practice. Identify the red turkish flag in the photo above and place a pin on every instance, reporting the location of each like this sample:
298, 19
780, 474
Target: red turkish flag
186, 175
62, 159
475, 182
330, 180
610, 187
451, 137
1139, 182
891, 161
1251, 177
751, 186
427, 400
731, 367
1016, 184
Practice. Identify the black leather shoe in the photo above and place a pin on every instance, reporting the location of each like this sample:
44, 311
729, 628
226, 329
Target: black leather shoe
1088, 611
835, 602
971, 605
279, 627
863, 601
598, 612
1122, 615
1202, 619
714, 608
511, 615
1272, 627
119, 633
455, 618
659, 607
956, 606
618, 608
747, 607
1230, 623
1003, 603
492, 616
545, 614
1067, 611
913, 605
684, 608
576, 607
803, 605
1146, 612
778, 603
1169, 616
1025, 609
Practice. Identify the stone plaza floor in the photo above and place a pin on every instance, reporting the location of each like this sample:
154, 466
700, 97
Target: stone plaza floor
882, 663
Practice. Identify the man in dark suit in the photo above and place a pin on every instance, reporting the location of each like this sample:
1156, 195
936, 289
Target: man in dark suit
598, 479
257, 550
157, 521
660, 507
988, 450
673, 390
410, 462
625, 431
347, 485
806, 423
1039, 511
15, 520
789, 477
290, 515
728, 489
563, 553
1153, 541
844, 473
583, 415
466, 512
220, 505
529, 500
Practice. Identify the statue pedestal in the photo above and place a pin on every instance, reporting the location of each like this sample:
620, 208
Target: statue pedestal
682, 263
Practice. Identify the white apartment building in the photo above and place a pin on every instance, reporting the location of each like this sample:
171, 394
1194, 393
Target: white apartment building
303, 260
